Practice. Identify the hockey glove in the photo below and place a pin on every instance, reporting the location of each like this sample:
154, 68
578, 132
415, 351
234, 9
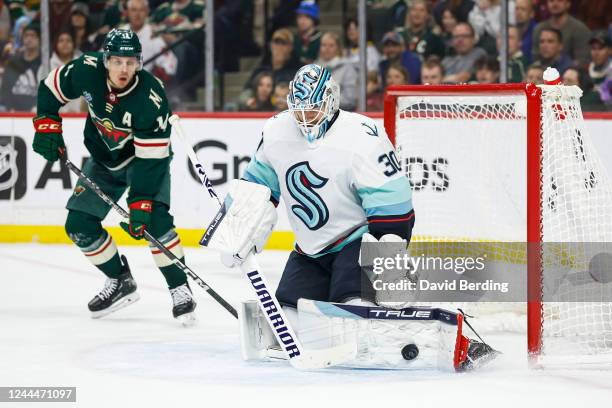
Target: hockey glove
140, 217
48, 140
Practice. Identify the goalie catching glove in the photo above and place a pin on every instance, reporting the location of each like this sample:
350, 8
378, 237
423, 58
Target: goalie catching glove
243, 224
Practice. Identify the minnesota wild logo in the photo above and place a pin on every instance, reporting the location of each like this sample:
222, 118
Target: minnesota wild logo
114, 137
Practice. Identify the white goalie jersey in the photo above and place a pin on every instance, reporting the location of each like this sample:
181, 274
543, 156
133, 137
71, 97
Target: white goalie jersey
333, 186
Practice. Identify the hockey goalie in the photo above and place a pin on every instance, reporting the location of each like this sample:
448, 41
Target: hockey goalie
341, 183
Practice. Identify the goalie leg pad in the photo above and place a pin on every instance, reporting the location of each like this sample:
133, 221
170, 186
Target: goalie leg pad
256, 336
411, 338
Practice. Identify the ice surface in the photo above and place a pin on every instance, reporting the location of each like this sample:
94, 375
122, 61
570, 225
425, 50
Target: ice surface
141, 357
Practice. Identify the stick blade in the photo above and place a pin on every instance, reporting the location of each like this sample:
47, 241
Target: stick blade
323, 358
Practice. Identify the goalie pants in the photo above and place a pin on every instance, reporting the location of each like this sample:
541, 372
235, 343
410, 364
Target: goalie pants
333, 277
86, 211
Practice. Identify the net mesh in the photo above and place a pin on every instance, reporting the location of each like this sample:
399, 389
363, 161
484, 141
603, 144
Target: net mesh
465, 155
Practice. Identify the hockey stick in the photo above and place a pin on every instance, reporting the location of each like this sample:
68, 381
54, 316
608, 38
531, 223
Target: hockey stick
98, 191
284, 333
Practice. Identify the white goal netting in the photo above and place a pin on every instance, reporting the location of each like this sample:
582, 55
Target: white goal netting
466, 156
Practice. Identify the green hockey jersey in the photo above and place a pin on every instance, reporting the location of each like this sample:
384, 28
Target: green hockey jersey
126, 128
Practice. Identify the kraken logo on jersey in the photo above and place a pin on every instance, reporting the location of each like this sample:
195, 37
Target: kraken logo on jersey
301, 182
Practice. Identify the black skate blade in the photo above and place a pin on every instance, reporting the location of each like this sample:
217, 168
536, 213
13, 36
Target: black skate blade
120, 304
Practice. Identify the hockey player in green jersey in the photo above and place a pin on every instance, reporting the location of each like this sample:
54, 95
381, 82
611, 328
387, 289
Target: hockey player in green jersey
128, 136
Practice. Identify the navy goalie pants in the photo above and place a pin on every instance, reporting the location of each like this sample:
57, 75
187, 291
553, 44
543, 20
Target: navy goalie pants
333, 277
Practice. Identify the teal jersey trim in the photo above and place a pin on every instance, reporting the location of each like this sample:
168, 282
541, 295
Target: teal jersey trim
357, 234
393, 209
262, 173
388, 199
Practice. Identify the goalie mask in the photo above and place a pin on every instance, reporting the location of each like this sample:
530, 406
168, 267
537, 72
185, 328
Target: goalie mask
313, 100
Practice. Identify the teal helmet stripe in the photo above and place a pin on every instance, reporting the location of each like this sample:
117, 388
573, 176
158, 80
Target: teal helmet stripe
317, 96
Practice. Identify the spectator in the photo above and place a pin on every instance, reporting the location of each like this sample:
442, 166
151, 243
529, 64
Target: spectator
459, 68
394, 52
516, 60
487, 70
280, 60
605, 90
22, 73
283, 15
449, 22
526, 24
551, 50
417, 33
351, 49
573, 31
281, 91
432, 72
12, 47
460, 8
81, 27
261, 99
397, 74
308, 39
374, 96
534, 74
590, 101
600, 67
397, 13
185, 14
485, 17
163, 66
64, 51
114, 14
342, 70
16, 8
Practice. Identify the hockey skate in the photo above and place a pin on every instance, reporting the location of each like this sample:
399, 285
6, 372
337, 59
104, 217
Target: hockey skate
478, 355
116, 294
183, 305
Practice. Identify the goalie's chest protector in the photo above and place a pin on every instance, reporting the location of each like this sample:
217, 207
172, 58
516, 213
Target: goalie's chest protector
316, 180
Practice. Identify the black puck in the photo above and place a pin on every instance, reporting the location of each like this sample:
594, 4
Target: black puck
410, 352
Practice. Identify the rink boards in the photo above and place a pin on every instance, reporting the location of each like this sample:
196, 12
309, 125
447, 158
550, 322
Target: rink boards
33, 193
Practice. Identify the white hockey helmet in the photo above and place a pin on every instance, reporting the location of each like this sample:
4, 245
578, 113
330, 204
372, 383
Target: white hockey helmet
313, 100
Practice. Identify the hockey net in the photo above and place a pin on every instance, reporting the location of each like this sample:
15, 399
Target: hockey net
497, 165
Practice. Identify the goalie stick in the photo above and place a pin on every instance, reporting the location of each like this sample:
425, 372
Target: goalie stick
98, 191
276, 318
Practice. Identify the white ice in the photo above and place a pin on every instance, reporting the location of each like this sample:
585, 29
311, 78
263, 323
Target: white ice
141, 357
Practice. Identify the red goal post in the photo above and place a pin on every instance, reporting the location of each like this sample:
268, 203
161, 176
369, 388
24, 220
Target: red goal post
551, 112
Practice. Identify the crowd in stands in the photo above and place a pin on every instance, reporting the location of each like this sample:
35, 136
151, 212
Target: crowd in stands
170, 31
455, 41
408, 42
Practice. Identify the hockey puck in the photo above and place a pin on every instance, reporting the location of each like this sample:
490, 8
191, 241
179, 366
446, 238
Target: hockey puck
600, 267
410, 352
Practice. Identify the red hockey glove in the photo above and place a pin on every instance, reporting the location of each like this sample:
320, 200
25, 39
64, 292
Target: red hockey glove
140, 217
48, 140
